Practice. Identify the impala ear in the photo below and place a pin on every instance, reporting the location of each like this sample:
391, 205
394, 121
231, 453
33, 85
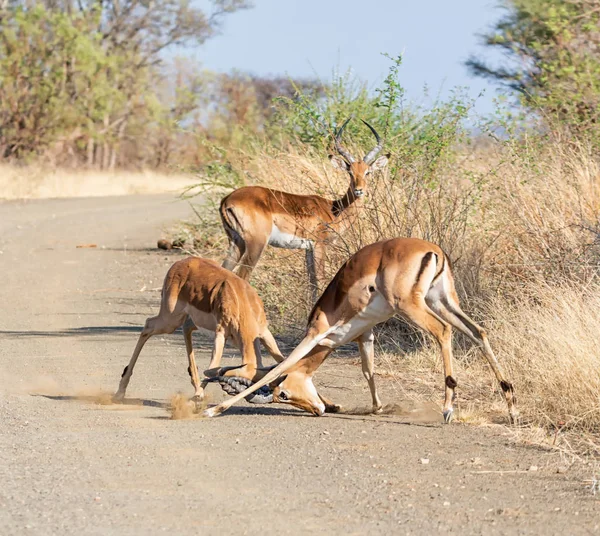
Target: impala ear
338, 162
278, 381
380, 163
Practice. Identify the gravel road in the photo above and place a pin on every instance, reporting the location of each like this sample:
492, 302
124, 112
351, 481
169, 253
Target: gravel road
69, 320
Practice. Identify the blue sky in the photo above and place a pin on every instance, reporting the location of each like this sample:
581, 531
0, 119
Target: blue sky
307, 38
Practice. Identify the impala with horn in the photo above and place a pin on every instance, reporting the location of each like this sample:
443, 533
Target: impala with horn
405, 276
198, 293
254, 216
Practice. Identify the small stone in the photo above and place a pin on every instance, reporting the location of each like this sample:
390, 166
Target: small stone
561, 470
424, 461
533, 468
446, 503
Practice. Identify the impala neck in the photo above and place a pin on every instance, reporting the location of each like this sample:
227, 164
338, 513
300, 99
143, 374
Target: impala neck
347, 201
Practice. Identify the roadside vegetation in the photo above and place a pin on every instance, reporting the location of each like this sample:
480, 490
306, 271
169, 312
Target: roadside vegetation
513, 198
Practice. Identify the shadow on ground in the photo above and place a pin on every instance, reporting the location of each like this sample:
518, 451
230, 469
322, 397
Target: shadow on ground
104, 400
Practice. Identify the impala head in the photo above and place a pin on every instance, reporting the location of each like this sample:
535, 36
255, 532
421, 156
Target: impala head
293, 386
297, 389
358, 170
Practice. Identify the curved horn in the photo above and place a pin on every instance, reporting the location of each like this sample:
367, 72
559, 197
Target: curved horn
233, 385
370, 156
347, 156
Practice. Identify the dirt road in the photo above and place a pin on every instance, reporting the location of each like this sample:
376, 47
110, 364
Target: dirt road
69, 319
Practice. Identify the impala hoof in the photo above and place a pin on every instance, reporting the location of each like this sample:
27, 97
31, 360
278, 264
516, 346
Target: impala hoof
448, 415
118, 397
333, 408
514, 417
377, 410
212, 412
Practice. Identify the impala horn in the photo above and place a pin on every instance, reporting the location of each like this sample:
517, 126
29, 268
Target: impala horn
370, 156
234, 385
346, 155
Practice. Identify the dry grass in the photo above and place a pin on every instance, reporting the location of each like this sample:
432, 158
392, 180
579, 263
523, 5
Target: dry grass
550, 348
33, 182
522, 229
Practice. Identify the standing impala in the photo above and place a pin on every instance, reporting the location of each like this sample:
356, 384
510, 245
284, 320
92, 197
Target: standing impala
404, 276
254, 216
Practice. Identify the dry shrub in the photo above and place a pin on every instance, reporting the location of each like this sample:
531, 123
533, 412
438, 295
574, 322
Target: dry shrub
549, 347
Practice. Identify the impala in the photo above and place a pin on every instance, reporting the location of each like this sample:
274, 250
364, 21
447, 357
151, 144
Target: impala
404, 276
255, 216
198, 293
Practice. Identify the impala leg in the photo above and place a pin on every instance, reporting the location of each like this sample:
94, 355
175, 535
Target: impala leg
153, 326
452, 313
507, 387
420, 313
257, 352
250, 258
271, 345
188, 328
218, 345
319, 263
312, 274
217, 353
367, 355
233, 256
315, 266
236, 243
480, 338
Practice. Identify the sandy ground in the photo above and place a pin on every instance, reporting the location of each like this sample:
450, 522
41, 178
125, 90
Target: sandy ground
69, 320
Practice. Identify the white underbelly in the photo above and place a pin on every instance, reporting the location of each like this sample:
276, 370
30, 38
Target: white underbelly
378, 310
201, 319
279, 239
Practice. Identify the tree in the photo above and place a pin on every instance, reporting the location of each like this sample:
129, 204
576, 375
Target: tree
87, 71
552, 58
